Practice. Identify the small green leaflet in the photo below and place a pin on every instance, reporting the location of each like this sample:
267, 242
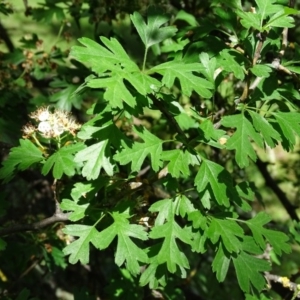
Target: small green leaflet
95, 157
108, 131
250, 246
165, 211
78, 210
65, 98
199, 240
228, 231
152, 33
185, 73
211, 135
20, 158
249, 19
220, 264
179, 162
248, 270
139, 151
169, 252
261, 70
239, 141
82, 192
216, 180
266, 8
126, 248
3, 244
142, 82
277, 239
167, 208
289, 123
150, 276
199, 220
183, 206
210, 65
261, 125
79, 250
231, 62
189, 18
281, 18
62, 161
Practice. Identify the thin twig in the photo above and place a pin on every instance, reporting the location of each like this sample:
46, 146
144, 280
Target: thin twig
168, 115
58, 216
286, 283
270, 182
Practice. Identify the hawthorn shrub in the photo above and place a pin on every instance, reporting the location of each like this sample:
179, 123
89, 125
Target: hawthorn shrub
127, 161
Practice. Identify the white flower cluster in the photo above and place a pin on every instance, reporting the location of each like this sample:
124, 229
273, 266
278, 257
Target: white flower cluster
51, 124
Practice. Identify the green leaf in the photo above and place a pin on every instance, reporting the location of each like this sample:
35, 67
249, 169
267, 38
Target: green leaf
232, 62
239, 141
250, 20
199, 221
183, 206
139, 151
20, 158
294, 230
261, 70
95, 157
79, 249
281, 19
115, 90
266, 8
127, 250
246, 192
66, 98
3, 244
142, 82
179, 162
228, 231
289, 124
248, 270
152, 33
278, 240
261, 125
294, 69
149, 276
82, 193
58, 257
169, 252
62, 161
199, 240
189, 18
220, 264
210, 134
78, 209
216, 180
23, 295
210, 65
249, 245
185, 73
165, 211
102, 59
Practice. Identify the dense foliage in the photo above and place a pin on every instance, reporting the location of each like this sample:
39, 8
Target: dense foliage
136, 160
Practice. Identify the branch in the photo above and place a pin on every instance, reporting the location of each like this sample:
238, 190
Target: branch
58, 216
286, 283
168, 115
5, 37
270, 182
